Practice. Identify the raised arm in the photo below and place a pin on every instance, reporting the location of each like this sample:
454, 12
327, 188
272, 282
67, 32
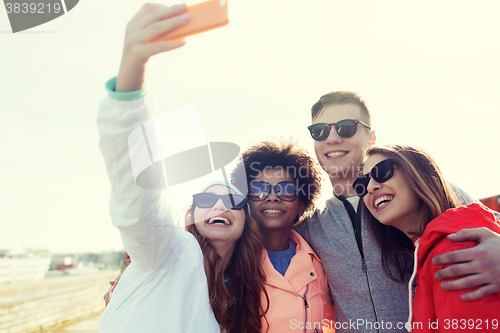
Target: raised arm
152, 21
142, 215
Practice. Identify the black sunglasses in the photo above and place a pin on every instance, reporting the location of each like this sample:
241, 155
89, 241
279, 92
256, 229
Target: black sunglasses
260, 190
381, 172
345, 129
208, 200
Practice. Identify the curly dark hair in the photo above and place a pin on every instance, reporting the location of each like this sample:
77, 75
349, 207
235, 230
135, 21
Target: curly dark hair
286, 155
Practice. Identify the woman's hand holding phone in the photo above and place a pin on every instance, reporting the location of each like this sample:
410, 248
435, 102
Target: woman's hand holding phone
150, 22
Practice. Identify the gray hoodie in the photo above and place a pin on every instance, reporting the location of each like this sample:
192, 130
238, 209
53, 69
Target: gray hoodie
365, 299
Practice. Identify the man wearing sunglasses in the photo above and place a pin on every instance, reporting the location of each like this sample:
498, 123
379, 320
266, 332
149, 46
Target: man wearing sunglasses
365, 298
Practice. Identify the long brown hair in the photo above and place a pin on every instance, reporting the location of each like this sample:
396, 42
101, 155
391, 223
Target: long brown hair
237, 305
434, 194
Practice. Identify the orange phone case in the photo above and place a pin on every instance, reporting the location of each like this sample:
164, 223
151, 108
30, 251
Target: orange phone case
203, 16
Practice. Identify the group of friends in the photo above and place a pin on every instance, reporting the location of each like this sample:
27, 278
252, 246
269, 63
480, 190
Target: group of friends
257, 256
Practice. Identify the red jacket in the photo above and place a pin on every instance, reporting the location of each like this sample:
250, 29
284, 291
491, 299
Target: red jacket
436, 310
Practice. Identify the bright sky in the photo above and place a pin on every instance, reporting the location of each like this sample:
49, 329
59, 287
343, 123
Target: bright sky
428, 69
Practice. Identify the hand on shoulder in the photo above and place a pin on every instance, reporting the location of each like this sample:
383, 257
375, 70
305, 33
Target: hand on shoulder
479, 266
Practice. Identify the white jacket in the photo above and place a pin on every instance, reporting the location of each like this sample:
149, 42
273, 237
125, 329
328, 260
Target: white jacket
165, 287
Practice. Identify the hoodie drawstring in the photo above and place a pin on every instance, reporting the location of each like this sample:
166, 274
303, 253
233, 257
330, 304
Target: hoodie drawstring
410, 288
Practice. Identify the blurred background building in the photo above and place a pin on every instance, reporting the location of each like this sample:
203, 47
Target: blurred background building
36, 264
492, 202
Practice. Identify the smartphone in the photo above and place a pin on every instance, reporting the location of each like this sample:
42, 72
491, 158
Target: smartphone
203, 16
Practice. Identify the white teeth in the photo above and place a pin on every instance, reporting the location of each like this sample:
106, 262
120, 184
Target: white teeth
336, 154
272, 211
218, 218
383, 199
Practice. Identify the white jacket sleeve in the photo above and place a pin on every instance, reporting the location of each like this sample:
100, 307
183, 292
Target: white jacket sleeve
143, 216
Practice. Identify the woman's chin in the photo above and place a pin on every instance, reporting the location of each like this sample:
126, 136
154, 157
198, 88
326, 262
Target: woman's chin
386, 220
221, 237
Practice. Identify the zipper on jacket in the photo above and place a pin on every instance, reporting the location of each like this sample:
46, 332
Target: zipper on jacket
304, 298
356, 217
369, 290
305, 307
305, 301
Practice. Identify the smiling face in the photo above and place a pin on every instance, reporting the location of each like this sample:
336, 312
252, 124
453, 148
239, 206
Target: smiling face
340, 157
274, 214
393, 202
219, 223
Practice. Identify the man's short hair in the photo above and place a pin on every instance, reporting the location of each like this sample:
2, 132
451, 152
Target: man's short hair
340, 97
